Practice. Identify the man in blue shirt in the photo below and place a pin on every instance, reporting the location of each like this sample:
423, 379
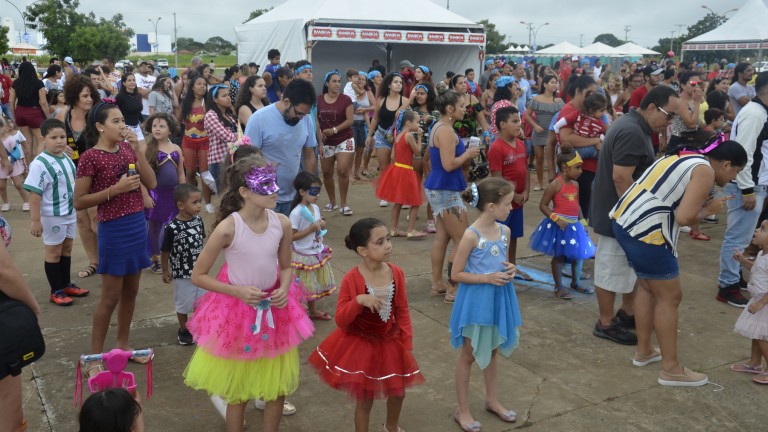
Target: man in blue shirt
285, 134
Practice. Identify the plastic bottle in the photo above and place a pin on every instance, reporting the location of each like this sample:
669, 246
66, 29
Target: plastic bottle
132, 170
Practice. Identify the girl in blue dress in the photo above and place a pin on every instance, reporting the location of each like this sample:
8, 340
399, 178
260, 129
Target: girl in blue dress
485, 318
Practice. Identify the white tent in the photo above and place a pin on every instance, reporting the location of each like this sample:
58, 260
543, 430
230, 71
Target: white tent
633, 49
341, 34
602, 50
746, 29
561, 49
514, 49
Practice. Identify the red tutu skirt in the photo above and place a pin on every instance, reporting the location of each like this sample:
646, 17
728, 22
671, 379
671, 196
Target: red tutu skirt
365, 366
399, 185
223, 326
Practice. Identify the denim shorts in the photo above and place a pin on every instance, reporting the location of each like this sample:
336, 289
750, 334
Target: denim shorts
656, 262
515, 223
442, 200
380, 139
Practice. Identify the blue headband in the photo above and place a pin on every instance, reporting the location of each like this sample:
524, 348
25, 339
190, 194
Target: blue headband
361, 72
373, 74
422, 87
328, 75
504, 81
215, 89
303, 67
423, 69
489, 62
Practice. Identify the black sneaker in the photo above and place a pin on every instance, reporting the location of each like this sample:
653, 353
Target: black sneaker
615, 332
627, 321
184, 337
732, 295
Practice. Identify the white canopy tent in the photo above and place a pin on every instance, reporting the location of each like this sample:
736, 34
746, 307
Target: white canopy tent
746, 29
514, 49
340, 34
561, 49
602, 50
633, 49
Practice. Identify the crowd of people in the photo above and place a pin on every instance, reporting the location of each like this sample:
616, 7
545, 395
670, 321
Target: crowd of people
131, 160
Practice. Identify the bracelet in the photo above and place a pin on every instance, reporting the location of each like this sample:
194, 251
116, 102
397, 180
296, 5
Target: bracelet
583, 222
554, 217
335, 131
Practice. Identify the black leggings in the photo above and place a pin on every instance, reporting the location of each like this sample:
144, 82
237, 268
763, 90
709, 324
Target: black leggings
585, 191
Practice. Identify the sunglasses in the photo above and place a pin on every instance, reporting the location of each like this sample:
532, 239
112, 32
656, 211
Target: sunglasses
314, 191
670, 116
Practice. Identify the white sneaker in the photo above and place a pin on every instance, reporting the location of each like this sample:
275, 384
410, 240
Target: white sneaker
209, 181
220, 406
210, 209
25, 207
288, 408
5, 207
685, 229
383, 203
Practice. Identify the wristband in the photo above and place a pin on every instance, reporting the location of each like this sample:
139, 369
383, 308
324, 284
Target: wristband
583, 222
554, 217
748, 191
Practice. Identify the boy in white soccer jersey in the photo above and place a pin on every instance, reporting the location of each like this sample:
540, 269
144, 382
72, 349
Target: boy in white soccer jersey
51, 183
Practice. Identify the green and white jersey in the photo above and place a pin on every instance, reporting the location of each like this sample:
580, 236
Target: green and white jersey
53, 178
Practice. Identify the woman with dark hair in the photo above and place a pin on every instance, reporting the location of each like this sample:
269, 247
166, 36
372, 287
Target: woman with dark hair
28, 107
425, 105
129, 101
389, 101
232, 79
335, 115
544, 107
473, 123
162, 99
195, 142
486, 99
252, 98
221, 127
80, 95
581, 87
675, 191
52, 78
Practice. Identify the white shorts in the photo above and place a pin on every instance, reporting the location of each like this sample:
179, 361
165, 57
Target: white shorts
56, 229
17, 169
137, 131
185, 294
347, 146
612, 271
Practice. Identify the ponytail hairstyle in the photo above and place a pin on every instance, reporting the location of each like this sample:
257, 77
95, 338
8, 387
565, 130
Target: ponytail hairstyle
360, 233
445, 97
303, 181
232, 201
98, 114
151, 152
489, 190
405, 116
720, 149
454, 80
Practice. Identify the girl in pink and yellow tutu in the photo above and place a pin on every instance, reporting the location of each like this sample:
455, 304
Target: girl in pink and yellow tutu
248, 330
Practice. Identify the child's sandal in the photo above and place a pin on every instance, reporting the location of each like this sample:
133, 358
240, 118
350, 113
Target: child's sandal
562, 294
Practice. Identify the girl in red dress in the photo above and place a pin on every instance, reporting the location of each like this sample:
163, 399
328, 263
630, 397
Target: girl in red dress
369, 354
399, 184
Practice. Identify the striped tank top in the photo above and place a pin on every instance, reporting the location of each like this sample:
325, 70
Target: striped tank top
647, 208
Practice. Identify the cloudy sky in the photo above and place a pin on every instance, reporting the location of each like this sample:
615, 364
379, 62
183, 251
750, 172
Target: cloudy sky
649, 20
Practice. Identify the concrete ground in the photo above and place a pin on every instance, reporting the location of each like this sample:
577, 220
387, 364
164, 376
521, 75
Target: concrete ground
561, 377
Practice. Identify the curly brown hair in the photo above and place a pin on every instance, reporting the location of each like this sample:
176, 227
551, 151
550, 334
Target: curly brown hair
232, 201
75, 85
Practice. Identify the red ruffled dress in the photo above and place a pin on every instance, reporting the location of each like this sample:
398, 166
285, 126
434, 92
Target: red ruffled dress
399, 184
366, 356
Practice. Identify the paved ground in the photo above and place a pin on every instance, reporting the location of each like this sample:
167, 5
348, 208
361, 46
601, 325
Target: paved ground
561, 378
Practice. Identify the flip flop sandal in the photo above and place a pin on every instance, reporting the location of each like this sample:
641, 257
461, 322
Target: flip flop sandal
142, 360
449, 298
700, 236
521, 275
346, 211
582, 290
562, 294
434, 292
745, 368
88, 272
761, 379
416, 235
397, 233
324, 316
89, 368
330, 207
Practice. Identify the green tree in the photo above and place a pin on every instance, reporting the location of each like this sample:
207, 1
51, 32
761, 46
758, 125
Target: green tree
494, 41
257, 13
5, 44
57, 20
218, 44
608, 39
189, 44
94, 41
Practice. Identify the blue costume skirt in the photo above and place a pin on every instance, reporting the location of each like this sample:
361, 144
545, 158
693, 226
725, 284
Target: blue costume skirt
489, 317
572, 242
123, 245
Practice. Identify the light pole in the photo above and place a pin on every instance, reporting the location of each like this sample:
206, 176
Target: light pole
532, 33
23, 21
175, 43
157, 41
715, 13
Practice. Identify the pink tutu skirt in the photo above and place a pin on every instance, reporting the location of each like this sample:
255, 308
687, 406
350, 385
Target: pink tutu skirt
753, 326
224, 326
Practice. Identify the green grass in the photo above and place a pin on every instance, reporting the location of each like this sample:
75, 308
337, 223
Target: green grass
222, 61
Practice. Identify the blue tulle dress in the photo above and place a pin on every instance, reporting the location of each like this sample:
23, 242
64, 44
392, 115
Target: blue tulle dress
486, 314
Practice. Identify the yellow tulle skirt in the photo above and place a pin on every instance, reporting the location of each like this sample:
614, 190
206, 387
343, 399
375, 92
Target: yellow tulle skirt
238, 381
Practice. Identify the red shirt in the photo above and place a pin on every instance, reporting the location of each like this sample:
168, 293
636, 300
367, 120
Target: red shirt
511, 161
565, 73
567, 112
409, 78
584, 124
332, 115
105, 169
7, 83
